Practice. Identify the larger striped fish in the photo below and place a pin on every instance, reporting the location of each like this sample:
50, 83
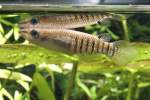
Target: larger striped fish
69, 41
61, 21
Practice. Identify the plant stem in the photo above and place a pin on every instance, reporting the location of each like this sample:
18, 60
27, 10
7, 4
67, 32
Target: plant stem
130, 87
125, 28
71, 80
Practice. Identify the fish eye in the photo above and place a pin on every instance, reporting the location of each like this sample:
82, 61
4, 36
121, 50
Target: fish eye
34, 34
34, 21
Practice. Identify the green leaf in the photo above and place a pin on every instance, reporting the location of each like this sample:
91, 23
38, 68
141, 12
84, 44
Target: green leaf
42, 86
1, 97
48, 67
6, 22
1, 29
143, 84
24, 84
2, 39
52, 77
32, 54
3, 91
7, 94
8, 16
17, 95
9, 34
112, 34
7, 74
84, 87
16, 32
93, 92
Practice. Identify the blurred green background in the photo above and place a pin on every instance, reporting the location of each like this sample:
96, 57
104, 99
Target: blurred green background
36, 79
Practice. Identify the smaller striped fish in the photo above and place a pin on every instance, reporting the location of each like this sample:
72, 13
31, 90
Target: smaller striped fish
65, 21
69, 41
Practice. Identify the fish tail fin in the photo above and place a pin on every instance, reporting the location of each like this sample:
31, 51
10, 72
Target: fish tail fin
125, 53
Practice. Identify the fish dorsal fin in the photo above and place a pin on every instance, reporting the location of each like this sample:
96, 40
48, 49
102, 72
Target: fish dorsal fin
105, 37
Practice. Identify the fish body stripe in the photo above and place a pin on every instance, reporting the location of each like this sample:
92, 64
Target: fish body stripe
111, 50
105, 47
84, 45
100, 46
91, 47
95, 47
78, 45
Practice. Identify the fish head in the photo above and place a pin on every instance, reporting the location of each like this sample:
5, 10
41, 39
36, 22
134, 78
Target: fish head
32, 34
30, 22
29, 28
37, 21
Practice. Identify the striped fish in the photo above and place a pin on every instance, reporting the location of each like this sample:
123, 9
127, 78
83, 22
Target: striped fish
69, 41
54, 32
67, 21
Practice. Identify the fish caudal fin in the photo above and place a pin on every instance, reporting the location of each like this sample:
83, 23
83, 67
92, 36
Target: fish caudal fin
125, 53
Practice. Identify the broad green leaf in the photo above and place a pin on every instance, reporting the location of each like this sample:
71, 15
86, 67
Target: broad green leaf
7, 74
32, 54
42, 86
24, 54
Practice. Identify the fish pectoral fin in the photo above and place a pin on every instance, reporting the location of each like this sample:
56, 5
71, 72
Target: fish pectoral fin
63, 39
104, 21
62, 42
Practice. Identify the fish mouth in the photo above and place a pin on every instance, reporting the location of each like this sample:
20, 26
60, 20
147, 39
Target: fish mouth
22, 26
23, 30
